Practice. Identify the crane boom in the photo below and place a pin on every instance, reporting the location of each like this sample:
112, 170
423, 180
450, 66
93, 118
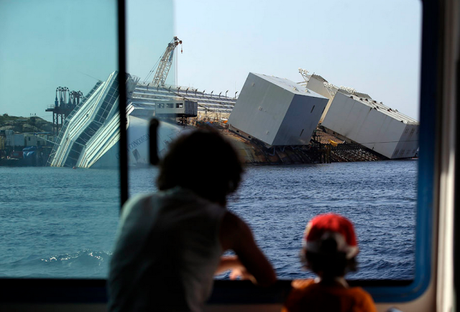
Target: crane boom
165, 63
304, 74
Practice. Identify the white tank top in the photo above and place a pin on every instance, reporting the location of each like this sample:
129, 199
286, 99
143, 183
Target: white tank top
166, 253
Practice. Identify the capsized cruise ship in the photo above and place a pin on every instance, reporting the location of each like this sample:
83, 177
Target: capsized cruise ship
90, 134
276, 111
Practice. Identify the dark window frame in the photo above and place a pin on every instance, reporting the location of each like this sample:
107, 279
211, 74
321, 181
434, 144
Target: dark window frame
26, 290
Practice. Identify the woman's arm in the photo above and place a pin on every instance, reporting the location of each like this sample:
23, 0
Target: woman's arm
236, 235
228, 263
234, 264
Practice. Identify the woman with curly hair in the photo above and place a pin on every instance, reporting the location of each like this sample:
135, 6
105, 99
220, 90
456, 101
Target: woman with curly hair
170, 243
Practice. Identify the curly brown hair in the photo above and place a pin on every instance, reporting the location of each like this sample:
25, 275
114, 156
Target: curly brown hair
203, 162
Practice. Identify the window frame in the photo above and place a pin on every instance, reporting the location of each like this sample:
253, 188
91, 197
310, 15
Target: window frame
26, 290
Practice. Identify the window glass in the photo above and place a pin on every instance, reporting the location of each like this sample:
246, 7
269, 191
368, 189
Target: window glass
59, 177
150, 29
60, 222
362, 58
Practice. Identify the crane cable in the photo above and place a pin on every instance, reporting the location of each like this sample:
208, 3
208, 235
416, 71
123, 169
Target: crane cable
149, 75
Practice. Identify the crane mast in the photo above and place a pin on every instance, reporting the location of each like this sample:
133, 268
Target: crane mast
165, 63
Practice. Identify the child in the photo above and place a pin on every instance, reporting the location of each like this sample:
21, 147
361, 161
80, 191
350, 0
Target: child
329, 250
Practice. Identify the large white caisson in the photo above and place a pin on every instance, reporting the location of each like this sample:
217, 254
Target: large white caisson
276, 111
357, 117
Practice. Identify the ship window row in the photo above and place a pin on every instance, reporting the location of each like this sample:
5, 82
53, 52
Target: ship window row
229, 104
170, 105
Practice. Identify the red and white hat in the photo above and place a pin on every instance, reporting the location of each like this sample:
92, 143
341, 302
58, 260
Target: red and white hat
329, 225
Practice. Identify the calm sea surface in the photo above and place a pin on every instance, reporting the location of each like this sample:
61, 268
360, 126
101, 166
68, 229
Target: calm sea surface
60, 222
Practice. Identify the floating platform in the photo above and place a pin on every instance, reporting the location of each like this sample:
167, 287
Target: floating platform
254, 152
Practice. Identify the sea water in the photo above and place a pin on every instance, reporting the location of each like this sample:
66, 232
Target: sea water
61, 222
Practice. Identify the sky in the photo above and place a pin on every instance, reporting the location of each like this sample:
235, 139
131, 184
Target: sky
51, 43
371, 46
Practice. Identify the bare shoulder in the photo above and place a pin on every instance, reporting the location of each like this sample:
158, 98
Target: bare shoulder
232, 230
232, 222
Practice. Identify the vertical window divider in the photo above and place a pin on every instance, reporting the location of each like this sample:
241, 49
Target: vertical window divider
122, 103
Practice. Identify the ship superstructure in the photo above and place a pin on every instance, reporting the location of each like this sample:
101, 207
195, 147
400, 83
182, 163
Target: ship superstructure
91, 129
89, 135
148, 94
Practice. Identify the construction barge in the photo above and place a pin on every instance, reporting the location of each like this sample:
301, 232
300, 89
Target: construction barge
320, 150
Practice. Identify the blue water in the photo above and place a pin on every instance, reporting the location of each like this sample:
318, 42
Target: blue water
60, 222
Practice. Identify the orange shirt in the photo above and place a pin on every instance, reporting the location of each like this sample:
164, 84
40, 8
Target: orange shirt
306, 295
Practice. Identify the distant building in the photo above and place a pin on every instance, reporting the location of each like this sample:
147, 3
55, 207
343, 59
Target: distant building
14, 140
276, 111
34, 140
2, 142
